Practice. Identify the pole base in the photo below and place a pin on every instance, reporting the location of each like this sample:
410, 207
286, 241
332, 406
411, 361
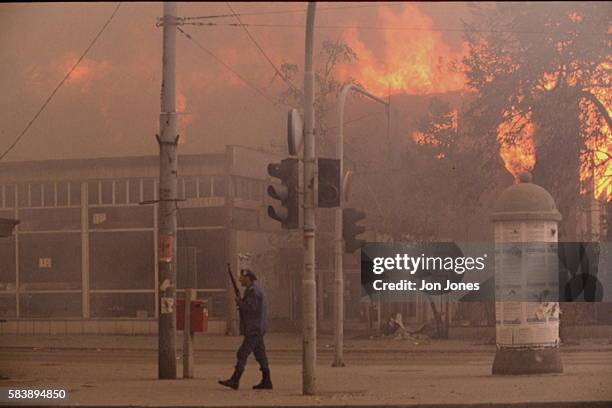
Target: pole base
510, 361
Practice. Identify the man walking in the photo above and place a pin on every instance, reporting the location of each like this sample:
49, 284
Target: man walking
252, 311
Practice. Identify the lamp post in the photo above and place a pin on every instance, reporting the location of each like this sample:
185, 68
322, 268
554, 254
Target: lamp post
338, 241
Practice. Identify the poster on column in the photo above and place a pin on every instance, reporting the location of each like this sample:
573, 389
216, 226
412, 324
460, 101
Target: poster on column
526, 268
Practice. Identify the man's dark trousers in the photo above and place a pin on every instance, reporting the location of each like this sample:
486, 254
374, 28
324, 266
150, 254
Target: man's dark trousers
253, 343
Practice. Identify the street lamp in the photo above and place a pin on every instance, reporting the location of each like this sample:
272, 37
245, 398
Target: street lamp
338, 250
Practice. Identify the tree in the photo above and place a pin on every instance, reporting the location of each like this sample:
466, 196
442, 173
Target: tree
327, 87
545, 66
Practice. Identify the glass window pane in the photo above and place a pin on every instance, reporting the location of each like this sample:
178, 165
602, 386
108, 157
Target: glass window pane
120, 192
122, 260
75, 193
7, 264
9, 196
8, 306
140, 305
180, 188
50, 219
147, 190
190, 187
218, 186
49, 194
93, 193
35, 195
107, 192
205, 186
22, 191
50, 305
50, 261
134, 191
62, 193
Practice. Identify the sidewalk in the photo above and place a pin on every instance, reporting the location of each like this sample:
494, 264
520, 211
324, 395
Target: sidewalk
279, 342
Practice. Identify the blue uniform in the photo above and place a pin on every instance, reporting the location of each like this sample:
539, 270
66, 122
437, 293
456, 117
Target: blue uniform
252, 310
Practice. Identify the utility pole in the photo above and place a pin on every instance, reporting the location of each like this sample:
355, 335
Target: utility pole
309, 286
338, 240
168, 166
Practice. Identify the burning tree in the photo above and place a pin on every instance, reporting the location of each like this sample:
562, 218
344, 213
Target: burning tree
541, 74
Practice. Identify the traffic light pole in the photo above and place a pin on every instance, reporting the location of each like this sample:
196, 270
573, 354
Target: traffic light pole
309, 289
338, 242
167, 139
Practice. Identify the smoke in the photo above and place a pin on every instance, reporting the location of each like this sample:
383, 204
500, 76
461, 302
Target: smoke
110, 106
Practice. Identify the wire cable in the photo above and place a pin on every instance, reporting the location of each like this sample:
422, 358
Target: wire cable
273, 101
278, 72
260, 13
384, 28
57, 88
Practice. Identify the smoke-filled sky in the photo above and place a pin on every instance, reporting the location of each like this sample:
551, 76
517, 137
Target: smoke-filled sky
110, 104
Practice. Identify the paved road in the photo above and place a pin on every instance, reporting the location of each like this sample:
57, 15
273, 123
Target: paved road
128, 377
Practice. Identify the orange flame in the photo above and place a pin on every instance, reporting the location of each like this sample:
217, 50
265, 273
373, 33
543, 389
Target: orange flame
87, 71
517, 147
595, 172
184, 119
414, 62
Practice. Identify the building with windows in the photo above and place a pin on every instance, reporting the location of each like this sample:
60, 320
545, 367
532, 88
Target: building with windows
83, 258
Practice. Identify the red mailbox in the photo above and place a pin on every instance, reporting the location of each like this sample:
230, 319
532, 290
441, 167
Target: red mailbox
199, 315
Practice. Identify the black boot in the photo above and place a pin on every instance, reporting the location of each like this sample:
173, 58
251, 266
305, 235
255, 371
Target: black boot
232, 382
266, 381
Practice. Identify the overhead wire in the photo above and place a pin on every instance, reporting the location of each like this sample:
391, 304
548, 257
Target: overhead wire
319, 9
261, 50
385, 28
60, 84
273, 101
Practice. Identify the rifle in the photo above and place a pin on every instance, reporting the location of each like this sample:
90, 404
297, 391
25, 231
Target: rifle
231, 275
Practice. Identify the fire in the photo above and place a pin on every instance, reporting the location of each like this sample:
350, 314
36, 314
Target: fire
184, 119
596, 172
86, 72
414, 62
517, 148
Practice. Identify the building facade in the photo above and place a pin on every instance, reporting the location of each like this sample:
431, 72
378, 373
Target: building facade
83, 258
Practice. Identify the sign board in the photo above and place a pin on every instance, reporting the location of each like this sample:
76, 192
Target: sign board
99, 218
44, 263
295, 132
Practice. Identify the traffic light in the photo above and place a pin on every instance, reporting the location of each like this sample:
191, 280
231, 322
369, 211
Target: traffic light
288, 213
350, 229
329, 183
6, 226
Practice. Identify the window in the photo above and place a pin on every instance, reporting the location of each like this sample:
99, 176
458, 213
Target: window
23, 193
120, 192
107, 192
75, 193
134, 187
49, 194
205, 186
140, 305
93, 192
9, 196
122, 260
7, 306
191, 187
50, 305
62, 193
50, 219
35, 195
147, 190
7, 264
64, 251
218, 186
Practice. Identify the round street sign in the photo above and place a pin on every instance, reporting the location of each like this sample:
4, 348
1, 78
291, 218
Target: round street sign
295, 132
